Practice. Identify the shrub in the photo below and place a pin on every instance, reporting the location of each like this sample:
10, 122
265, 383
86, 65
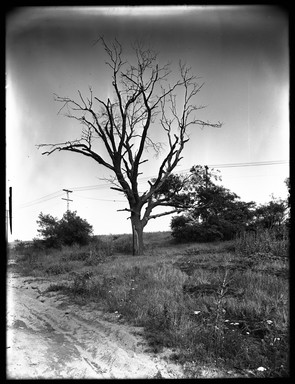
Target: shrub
71, 229
185, 230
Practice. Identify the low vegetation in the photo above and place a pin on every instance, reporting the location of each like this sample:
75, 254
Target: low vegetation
220, 304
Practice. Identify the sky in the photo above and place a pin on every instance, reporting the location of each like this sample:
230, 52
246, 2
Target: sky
241, 53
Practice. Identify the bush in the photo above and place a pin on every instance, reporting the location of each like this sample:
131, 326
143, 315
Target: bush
214, 229
185, 230
71, 229
181, 231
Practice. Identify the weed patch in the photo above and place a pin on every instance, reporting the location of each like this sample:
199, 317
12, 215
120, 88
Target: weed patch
263, 242
55, 288
57, 269
223, 305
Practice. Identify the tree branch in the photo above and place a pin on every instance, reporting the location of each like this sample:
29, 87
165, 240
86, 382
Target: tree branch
163, 214
79, 148
140, 99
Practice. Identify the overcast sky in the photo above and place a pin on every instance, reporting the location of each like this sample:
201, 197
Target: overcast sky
241, 54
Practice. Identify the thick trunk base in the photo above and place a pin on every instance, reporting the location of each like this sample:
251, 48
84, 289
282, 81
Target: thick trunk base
137, 238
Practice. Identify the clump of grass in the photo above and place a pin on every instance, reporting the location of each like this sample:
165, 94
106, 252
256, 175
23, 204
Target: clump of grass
56, 287
109, 244
123, 244
57, 269
152, 296
242, 321
268, 241
94, 253
65, 259
103, 246
80, 280
28, 255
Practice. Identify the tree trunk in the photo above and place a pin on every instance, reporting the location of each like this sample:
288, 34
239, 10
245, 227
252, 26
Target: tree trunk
137, 234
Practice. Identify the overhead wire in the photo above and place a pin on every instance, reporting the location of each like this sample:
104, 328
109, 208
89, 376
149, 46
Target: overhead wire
141, 180
251, 164
90, 187
95, 198
41, 199
241, 165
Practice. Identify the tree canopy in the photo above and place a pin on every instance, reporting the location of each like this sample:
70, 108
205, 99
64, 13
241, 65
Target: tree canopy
215, 213
146, 98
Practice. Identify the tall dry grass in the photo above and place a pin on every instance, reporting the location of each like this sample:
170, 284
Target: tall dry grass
241, 322
272, 242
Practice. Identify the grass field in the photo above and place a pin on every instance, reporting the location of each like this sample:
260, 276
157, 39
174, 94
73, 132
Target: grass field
220, 304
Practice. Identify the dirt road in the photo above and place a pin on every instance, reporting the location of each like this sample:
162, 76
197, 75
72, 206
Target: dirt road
49, 337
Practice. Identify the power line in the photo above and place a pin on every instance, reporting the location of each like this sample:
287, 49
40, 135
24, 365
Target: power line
19, 212
247, 176
42, 199
253, 164
241, 165
90, 187
230, 165
94, 198
143, 179
58, 194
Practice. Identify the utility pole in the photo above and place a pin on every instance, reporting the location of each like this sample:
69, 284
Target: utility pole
67, 199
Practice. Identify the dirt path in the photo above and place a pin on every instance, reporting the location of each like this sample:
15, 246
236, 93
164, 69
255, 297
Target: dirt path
48, 337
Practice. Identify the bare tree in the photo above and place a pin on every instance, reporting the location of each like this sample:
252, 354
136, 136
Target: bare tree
143, 100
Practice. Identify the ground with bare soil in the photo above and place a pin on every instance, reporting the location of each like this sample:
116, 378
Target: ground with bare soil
49, 337
206, 311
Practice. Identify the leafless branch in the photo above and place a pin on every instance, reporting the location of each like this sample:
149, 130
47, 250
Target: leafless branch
163, 214
143, 97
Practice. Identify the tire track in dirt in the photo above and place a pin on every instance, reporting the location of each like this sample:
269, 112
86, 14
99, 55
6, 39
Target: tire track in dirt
48, 337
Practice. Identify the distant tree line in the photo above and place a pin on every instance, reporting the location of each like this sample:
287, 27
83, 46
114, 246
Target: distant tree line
216, 213
212, 213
